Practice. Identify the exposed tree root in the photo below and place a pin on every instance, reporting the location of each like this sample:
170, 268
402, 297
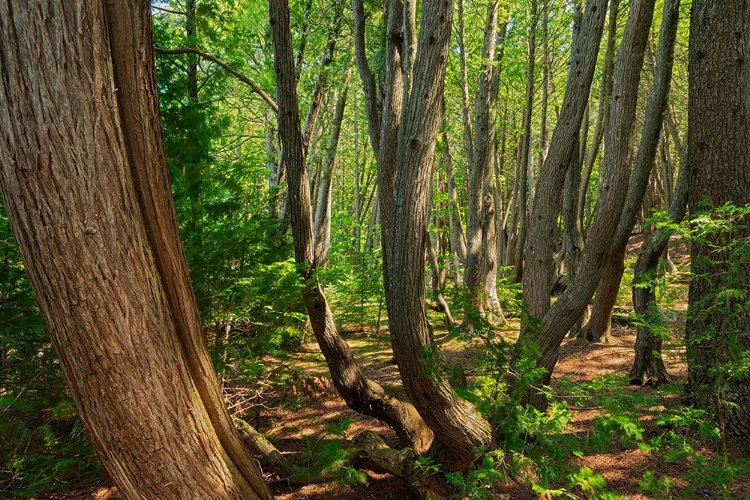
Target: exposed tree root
367, 445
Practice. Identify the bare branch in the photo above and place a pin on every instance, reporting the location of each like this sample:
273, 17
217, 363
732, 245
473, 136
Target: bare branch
244, 79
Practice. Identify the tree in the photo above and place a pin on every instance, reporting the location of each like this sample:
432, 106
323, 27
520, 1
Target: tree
548, 324
84, 180
599, 325
359, 392
719, 163
456, 423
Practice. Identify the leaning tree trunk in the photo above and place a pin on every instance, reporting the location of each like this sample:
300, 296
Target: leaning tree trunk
456, 423
648, 365
719, 163
540, 245
85, 182
541, 342
524, 156
360, 393
600, 324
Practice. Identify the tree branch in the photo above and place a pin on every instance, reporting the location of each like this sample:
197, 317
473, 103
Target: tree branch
244, 79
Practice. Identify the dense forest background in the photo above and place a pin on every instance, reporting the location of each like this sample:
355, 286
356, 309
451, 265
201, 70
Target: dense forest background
441, 249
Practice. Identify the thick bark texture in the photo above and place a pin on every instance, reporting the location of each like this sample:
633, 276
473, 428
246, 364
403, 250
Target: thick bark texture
456, 423
600, 323
542, 341
386, 155
719, 162
84, 179
360, 393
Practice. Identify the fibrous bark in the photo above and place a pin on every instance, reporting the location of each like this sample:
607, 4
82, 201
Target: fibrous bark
541, 342
456, 423
84, 179
599, 325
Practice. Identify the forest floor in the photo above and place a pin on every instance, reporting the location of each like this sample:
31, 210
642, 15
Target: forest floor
299, 411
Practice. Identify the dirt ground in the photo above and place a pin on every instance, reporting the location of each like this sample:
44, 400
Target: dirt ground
299, 416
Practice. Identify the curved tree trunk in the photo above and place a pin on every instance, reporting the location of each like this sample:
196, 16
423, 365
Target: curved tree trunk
600, 323
456, 423
563, 145
360, 393
719, 162
84, 179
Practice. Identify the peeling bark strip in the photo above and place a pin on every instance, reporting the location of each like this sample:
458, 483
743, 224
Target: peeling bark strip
360, 393
84, 179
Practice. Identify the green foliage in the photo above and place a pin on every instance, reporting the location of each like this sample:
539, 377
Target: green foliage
477, 483
654, 486
43, 446
326, 453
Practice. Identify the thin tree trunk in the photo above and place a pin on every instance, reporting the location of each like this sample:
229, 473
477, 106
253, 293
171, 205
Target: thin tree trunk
93, 191
480, 219
360, 393
605, 99
458, 237
599, 325
648, 365
525, 150
322, 224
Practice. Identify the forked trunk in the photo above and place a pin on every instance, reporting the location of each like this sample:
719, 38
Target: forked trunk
359, 392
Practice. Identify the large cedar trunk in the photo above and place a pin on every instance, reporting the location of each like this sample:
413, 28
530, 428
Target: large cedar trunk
719, 162
85, 183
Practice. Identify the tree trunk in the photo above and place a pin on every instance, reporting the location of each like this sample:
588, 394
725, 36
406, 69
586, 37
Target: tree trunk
605, 100
648, 365
360, 393
84, 179
719, 163
542, 341
600, 324
322, 225
456, 423
481, 236
563, 145
524, 155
